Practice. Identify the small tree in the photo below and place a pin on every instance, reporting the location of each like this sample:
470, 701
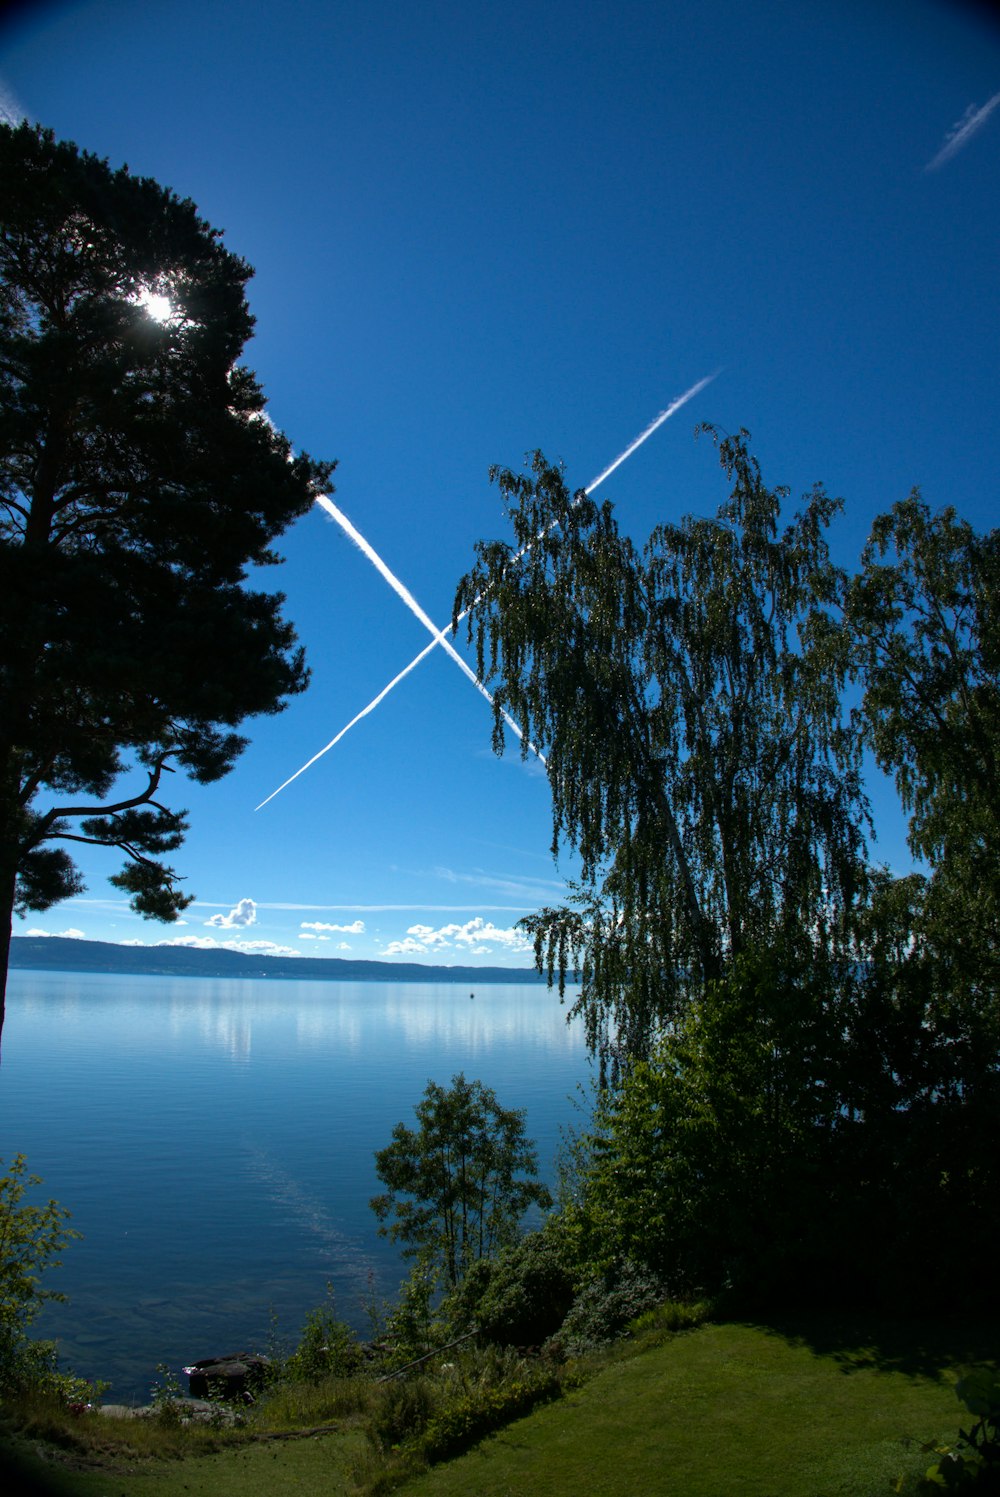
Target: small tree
458, 1185
31, 1238
140, 479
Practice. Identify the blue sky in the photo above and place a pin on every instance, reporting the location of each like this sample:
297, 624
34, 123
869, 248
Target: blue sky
480, 229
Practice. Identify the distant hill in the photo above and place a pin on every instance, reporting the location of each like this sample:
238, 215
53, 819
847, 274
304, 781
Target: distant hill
62, 954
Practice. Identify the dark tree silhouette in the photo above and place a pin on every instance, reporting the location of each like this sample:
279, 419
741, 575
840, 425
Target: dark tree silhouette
140, 478
687, 699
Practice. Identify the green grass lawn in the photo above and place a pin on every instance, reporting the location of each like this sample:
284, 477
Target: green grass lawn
731, 1410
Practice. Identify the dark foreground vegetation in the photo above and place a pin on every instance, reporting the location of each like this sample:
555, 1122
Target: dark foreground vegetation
802, 1407
799, 1047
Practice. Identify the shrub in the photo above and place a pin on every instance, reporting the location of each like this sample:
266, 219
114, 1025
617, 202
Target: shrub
607, 1302
522, 1297
467, 1419
973, 1465
403, 1411
327, 1348
31, 1238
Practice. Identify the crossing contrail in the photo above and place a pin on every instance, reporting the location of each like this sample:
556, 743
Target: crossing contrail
440, 636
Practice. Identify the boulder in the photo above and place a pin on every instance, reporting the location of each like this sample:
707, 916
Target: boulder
236, 1378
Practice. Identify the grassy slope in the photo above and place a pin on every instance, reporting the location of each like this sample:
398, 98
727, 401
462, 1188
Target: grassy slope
724, 1411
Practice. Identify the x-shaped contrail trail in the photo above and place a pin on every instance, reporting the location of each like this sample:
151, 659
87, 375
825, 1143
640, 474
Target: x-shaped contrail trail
440, 636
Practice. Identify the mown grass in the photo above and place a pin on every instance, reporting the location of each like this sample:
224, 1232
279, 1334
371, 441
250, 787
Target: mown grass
801, 1409
733, 1411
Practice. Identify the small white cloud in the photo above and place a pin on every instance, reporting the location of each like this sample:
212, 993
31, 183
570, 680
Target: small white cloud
343, 946
473, 934
356, 928
476, 937
409, 947
71, 934
242, 914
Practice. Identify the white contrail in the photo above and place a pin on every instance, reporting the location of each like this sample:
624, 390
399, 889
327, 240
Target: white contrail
654, 425
440, 636
971, 122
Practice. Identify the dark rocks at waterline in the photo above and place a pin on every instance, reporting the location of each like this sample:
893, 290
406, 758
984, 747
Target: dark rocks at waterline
234, 1378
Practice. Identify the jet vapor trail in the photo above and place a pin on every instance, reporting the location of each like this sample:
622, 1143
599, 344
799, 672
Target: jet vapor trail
971, 122
440, 636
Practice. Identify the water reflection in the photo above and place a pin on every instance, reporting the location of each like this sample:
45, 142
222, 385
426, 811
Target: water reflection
214, 1140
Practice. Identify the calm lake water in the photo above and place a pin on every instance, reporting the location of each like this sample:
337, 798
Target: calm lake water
214, 1140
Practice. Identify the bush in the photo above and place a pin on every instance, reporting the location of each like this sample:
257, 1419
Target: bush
521, 1298
31, 1237
327, 1348
403, 1412
973, 1465
607, 1302
467, 1419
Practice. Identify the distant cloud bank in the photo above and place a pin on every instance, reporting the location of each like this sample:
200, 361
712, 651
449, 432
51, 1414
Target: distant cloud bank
209, 943
72, 934
962, 132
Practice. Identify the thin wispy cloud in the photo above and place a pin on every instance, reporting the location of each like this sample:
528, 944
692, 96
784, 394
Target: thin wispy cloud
378, 909
356, 927
11, 112
514, 885
962, 132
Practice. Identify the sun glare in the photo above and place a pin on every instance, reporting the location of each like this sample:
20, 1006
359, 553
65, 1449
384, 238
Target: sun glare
156, 305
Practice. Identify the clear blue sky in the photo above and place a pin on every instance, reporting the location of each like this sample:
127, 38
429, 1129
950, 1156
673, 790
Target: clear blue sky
482, 228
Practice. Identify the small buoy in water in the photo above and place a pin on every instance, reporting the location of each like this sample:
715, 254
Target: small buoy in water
472, 995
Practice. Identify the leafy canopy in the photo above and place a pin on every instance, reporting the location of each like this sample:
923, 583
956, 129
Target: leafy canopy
687, 699
924, 615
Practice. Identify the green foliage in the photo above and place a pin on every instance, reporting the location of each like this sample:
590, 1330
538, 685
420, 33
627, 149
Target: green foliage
458, 1184
327, 1348
166, 1395
606, 1303
139, 480
925, 620
415, 1322
973, 1465
32, 1238
688, 701
522, 1296
403, 1410
468, 1418
805, 1134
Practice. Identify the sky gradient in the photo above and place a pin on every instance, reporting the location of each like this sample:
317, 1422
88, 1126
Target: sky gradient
482, 229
